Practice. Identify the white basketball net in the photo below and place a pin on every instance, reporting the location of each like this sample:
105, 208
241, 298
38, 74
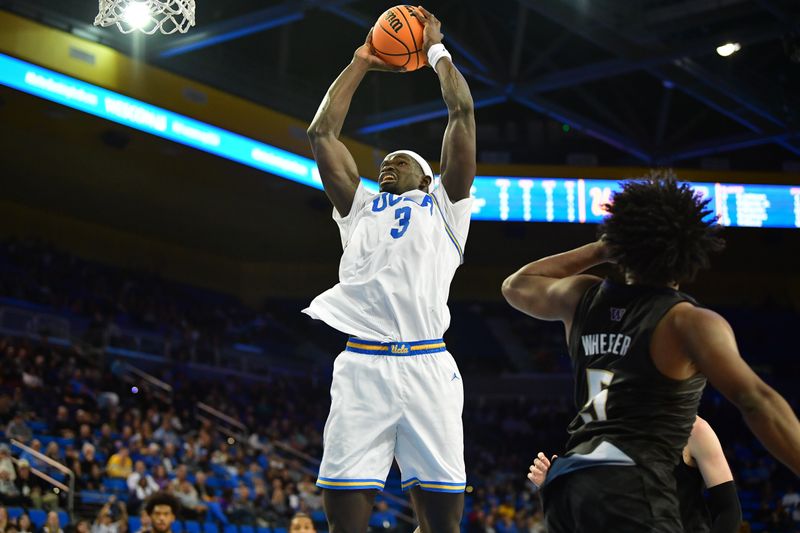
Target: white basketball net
147, 16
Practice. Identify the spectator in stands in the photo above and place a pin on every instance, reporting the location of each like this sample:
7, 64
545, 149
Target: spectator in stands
180, 476
84, 436
120, 465
36, 446
88, 459
165, 434
506, 524
62, 425
145, 523
160, 477
169, 457
111, 518
189, 457
383, 517
302, 523
52, 525
241, 510
94, 481
24, 524
18, 429
83, 526
29, 488
279, 500
54, 452
192, 507
8, 475
105, 441
207, 495
790, 503
141, 486
162, 508
4, 522
139, 472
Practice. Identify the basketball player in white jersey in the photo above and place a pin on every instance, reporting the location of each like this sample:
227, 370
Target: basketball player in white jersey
396, 392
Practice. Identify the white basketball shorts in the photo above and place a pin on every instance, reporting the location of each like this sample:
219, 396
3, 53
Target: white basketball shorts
402, 401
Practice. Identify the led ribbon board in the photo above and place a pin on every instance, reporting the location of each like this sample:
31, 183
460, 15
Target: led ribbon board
531, 199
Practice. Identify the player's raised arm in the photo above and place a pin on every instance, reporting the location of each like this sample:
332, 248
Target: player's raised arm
337, 168
710, 344
550, 288
458, 147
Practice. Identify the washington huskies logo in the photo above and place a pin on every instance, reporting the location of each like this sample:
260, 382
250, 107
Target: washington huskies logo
617, 313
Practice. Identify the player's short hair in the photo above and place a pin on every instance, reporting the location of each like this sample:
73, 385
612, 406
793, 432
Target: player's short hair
659, 229
162, 498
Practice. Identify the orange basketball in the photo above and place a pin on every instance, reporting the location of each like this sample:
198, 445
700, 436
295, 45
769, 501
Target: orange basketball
397, 38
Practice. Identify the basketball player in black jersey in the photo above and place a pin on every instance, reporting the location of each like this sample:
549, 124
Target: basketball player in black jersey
702, 467
641, 352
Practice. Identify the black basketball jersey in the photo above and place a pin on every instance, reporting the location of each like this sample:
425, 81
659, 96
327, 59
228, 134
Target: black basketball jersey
694, 511
622, 397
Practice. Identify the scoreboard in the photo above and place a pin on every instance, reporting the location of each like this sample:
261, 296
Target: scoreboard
500, 198
582, 199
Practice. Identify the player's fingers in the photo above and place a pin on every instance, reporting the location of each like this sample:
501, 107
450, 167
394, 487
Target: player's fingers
530, 476
428, 14
545, 462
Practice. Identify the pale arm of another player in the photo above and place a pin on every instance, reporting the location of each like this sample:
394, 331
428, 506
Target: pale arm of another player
709, 342
723, 501
458, 160
337, 168
550, 288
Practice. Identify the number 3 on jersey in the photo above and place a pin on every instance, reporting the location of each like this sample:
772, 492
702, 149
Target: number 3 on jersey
597, 382
403, 216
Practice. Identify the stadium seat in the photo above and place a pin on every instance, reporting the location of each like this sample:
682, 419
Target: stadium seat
117, 486
63, 518
263, 530
279, 530
134, 524
14, 512
38, 517
191, 526
230, 528
210, 527
177, 526
246, 529
36, 426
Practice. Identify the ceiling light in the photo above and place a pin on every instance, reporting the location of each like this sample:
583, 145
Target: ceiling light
728, 49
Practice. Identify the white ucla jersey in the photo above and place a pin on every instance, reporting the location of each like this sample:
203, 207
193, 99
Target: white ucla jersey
400, 255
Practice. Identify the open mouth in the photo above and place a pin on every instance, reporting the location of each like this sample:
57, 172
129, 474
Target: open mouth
388, 177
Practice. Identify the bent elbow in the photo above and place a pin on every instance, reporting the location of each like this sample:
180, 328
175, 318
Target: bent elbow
508, 289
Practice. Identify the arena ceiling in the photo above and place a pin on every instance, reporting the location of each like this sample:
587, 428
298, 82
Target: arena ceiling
614, 82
